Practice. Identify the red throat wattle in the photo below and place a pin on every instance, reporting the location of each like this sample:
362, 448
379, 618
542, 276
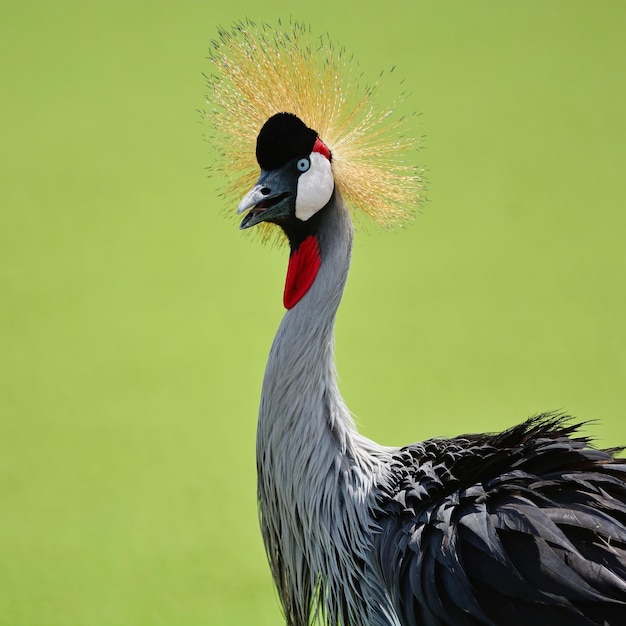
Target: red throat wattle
304, 262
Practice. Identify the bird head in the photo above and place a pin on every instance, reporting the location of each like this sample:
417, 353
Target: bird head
277, 85
295, 184
296, 179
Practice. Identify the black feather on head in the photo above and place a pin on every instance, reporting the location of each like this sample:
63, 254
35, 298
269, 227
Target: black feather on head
284, 137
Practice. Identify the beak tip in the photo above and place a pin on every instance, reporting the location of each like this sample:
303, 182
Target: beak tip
249, 200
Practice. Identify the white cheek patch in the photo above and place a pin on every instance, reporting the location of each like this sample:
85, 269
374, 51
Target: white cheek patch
315, 187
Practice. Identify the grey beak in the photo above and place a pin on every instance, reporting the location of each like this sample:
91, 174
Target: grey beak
271, 199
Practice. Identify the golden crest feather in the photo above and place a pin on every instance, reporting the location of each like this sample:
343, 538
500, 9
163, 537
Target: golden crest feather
262, 70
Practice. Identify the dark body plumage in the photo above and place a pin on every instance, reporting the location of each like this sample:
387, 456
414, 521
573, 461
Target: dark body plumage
523, 527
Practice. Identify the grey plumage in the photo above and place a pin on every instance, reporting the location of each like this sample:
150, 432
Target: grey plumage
316, 474
524, 527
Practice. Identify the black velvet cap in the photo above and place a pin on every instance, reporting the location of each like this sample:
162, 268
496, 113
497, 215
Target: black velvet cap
283, 137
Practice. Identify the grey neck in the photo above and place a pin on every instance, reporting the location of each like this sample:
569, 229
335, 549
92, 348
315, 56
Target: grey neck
315, 472
300, 394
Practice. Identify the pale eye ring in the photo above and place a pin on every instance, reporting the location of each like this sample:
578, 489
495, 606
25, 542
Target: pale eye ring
303, 164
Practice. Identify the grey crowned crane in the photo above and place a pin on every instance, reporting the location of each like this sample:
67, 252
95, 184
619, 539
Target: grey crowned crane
527, 526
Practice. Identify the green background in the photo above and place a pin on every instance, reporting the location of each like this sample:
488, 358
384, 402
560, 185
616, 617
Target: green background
135, 320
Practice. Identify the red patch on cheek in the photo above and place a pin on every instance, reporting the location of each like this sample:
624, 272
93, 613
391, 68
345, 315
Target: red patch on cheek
322, 148
304, 262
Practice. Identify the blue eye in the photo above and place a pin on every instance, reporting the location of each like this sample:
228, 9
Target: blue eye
303, 164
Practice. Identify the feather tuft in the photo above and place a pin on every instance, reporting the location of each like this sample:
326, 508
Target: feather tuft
262, 70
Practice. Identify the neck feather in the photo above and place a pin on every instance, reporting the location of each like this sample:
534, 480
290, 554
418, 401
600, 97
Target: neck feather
315, 470
300, 397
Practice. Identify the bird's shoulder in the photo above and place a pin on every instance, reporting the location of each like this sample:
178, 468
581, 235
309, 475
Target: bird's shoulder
528, 525
542, 451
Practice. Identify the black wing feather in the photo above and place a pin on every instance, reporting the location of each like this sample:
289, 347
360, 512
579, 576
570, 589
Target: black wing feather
524, 527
